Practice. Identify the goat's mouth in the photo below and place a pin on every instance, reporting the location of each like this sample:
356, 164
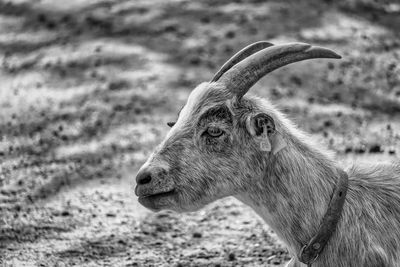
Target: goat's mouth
157, 201
161, 194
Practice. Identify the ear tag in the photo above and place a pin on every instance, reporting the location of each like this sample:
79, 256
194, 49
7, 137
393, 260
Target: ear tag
265, 144
277, 142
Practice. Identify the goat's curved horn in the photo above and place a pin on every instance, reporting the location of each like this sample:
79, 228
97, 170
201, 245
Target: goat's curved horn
239, 56
242, 76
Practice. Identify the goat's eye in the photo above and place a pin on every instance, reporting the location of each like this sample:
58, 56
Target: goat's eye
171, 124
214, 132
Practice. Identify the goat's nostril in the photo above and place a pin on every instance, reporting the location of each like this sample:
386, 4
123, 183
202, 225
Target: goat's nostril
143, 178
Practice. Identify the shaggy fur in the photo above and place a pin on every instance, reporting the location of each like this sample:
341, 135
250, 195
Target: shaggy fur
290, 190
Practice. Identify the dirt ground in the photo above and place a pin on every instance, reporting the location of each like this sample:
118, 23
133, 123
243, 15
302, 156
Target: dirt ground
86, 89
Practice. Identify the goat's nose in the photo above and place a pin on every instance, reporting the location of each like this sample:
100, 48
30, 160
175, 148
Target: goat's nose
143, 177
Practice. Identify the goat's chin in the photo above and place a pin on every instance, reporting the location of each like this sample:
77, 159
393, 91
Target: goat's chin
171, 204
158, 202
175, 200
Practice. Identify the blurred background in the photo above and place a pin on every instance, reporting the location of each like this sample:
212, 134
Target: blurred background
86, 90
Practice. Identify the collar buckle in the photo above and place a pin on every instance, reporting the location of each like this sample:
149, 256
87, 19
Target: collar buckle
307, 257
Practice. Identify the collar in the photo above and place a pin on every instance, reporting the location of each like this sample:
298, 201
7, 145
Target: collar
310, 251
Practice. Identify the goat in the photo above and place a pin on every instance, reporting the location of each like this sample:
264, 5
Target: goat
226, 143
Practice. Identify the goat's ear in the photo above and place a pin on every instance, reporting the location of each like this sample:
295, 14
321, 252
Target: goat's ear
262, 128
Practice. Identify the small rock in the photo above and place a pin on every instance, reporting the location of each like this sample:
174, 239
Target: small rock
42, 18
231, 256
197, 235
359, 150
336, 97
205, 20
195, 60
51, 25
296, 80
171, 28
328, 123
97, 62
117, 85
276, 92
230, 34
375, 149
66, 19
65, 213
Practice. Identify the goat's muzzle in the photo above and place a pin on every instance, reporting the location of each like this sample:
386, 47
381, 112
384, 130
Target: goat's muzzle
154, 187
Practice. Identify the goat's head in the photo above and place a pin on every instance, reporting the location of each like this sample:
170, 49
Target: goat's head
221, 138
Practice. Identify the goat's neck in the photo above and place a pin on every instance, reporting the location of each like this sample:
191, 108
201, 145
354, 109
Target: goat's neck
293, 192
